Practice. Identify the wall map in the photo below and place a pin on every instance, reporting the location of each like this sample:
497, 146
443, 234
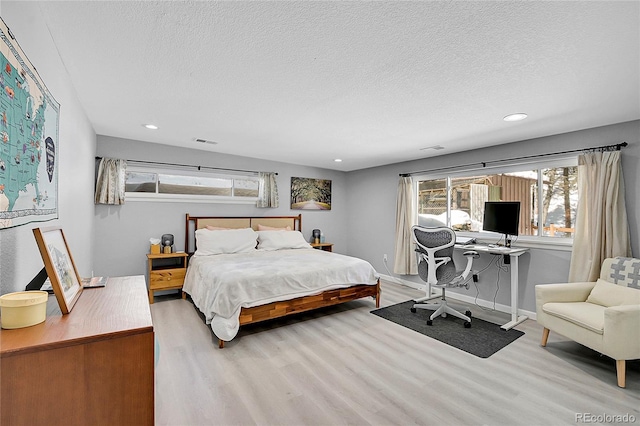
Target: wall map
29, 118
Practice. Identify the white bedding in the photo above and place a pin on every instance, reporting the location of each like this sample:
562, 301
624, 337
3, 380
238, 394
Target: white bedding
220, 285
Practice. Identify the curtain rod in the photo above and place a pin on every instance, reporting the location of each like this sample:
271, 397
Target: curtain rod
190, 165
614, 147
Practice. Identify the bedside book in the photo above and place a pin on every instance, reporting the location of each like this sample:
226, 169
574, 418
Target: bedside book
94, 282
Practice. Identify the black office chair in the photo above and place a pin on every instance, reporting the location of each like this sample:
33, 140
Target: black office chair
434, 248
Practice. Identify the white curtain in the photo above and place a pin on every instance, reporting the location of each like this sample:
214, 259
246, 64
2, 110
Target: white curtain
268, 192
602, 229
406, 215
110, 183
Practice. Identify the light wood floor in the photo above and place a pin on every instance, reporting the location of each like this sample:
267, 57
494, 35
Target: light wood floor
344, 365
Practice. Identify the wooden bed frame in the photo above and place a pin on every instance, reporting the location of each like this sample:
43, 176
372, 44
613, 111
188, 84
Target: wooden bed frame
286, 307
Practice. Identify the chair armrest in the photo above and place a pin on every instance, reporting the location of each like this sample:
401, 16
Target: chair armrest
470, 255
565, 292
621, 335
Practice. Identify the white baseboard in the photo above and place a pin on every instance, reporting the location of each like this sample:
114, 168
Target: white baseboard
461, 297
407, 283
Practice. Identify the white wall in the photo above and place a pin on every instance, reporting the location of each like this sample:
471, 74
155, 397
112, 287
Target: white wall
20, 259
123, 232
371, 230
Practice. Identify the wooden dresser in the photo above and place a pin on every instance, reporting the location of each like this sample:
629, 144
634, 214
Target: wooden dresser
94, 366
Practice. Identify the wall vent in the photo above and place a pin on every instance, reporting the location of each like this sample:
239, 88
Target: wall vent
206, 141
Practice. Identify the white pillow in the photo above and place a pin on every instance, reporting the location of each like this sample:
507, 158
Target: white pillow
271, 228
608, 294
270, 240
226, 241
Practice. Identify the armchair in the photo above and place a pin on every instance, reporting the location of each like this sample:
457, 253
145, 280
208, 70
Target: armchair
602, 315
434, 248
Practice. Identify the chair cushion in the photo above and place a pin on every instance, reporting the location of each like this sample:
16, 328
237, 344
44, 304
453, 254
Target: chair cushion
608, 294
583, 314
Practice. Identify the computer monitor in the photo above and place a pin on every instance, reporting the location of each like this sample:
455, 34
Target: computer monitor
502, 217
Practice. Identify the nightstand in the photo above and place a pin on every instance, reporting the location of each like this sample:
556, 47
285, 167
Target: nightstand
166, 272
323, 246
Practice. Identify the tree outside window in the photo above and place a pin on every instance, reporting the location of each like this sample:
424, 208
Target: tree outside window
554, 206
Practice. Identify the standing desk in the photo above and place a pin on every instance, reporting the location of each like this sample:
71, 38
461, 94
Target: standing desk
514, 253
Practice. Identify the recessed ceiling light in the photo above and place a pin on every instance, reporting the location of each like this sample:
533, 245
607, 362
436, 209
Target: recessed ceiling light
515, 117
151, 126
338, 160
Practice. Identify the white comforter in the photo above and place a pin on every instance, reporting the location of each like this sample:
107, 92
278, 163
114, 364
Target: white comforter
220, 285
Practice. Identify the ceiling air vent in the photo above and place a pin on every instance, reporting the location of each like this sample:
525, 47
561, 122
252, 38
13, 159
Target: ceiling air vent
434, 147
206, 141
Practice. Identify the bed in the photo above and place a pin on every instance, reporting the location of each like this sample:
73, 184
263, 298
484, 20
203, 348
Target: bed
234, 284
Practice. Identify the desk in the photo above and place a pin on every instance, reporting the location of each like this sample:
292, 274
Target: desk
514, 253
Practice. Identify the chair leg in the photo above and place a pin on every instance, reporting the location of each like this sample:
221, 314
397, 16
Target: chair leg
545, 336
429, 296
426, 298
439, 311
621, 371
451, 311
429, 306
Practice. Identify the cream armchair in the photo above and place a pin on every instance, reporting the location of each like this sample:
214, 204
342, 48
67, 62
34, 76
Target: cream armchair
602, 315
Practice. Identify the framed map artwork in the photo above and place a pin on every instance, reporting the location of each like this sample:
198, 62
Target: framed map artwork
29, 118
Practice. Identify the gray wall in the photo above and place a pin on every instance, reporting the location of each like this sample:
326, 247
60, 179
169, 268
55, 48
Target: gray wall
372, 207
362, 220
20, 259
113, 240
122, 232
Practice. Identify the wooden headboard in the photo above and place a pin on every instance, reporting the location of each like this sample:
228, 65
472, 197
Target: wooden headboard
194, 223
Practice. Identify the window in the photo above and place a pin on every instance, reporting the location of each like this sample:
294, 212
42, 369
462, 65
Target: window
547, 193
181, 186
140, 182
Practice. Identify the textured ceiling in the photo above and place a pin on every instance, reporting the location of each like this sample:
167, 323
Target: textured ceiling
369, 82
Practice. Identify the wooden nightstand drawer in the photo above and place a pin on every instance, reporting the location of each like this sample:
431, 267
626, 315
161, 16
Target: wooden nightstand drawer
166, 271
323, 246
166, 278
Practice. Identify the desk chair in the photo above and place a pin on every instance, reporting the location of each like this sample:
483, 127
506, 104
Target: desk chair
434, 248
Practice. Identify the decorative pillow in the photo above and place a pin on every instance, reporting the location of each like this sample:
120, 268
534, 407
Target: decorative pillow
608, 294
624, 271
269, 240
216, 228
225, 241
271, 228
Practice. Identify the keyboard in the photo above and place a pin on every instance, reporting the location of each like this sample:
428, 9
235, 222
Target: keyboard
465, 241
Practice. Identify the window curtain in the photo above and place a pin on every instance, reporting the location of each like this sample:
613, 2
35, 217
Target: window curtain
110, 182
406, 213
602, 229
268, 192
